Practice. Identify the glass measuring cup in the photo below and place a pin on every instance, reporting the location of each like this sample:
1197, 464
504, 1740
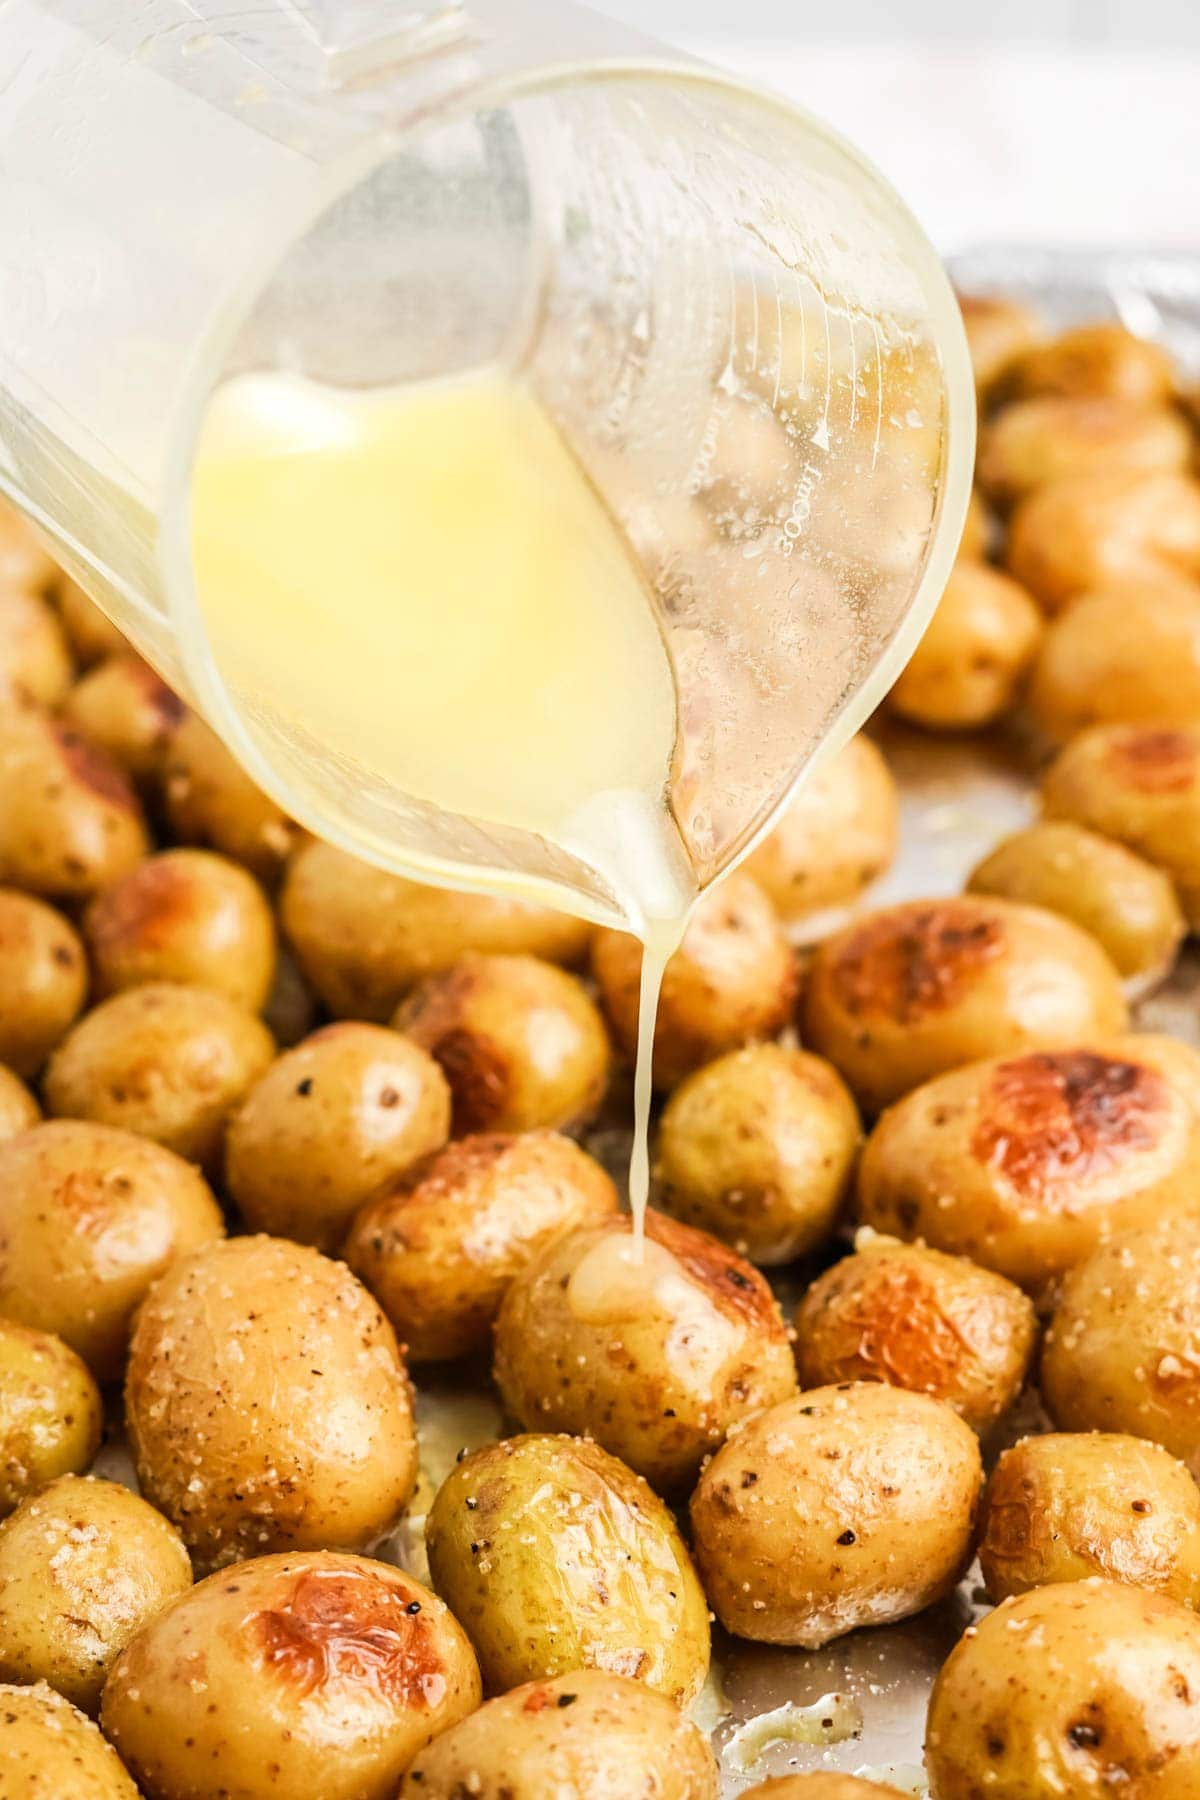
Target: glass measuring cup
740, 332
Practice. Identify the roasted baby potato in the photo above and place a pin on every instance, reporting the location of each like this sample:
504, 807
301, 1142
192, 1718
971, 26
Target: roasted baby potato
1072, 1505
1126, 652
759, 1148
83, 1566
24, 560
1056, 435
51, 1414
69, 821
1026, 1163
1121, 1353
35, 663
129, 711
834, 837
91, 632
998, 332
212, 802
821, 1784
267, 1403
732, 981
1102, 359
329, 1123
1086, 531
843, 1506
50, 1751
165, 1061
91, 1217
653, 1350
627, 1600
315, 1674
439, 1248
43, 980
581, 1736
911, 990
1078, 1689
18, 1108
967, 670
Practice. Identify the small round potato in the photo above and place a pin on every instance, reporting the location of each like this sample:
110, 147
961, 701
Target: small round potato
165, 1061
1126, 652
1123, 1351
835, 836
731, 982
267, 1403
129, 711
43, 980
91, 1217
18, 1108
1127, 905
998, 332
439, 1248
212, 802
1086, 531
1056, 435
759, 1148
317, 1674
1026, 1163
821, 1784
1098, 360
24, 560
627, 1598
653, 1350
919, 1320
91, 632
364, 937
520, 1041
1071, 1505
1076, 1690
51, 1414
967, 670
911, 990
581, 1736
50, 1751
35, 664
69, 821
349, 1108
83, 1566
186, 916
844, 1506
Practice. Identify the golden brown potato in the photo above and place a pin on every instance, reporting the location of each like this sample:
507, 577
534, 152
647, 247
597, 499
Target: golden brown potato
1026, 1163
911, 990
18, 1108
1075, 1690
759, 1148
128, 710
69, 821
1121, 1353
51, 1414
521, 1042
364, 937
35, 664
655, 1355
1056, 435
581, 1736
267, 1403
163, 1060
24, 560
43, 980
83, 1566
834, 837
91, 1217
1126, 652
50, 1751
1071, 1505
91, 632
1139, 784
439, 1248
318, 1674
350, 1108
731, 982
919, 1320
1127, 905
212, 802
967, 670
1102, 359
822, 1784
1086, 531
998, 331
627, 1599
978, 529
843, 1506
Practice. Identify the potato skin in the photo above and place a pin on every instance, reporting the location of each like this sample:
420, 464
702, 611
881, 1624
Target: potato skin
843, 1506
91, 1217
348, 1109
163, 1060
440, 1247
967, 670
520, 1041
1051, 436
50, 1751
1100, 359
51, 1414
267, 1403
213, 803
1120, 1354
129, 711
999, 330
83, 1566
1126, 652
1127, 905
627, 1599
35, 663
655, 1359
822, 1784
1076, 1689
43, 980
18, 1108
576, 1737
731, 982
1026, 1163
909, 991
1072, 1505
759, 1147
69, 821
317, 1674
1087, 530
834, 837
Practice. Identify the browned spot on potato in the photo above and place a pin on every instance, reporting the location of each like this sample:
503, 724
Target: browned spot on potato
729, 1281
537, 1699
915, 961
1154, 760
355, 1626
477, 1070
146, 909
165, 703
93, 769
904, 1337
1055, 1118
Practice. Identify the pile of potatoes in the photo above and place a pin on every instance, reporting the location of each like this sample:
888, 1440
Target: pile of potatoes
278, 1131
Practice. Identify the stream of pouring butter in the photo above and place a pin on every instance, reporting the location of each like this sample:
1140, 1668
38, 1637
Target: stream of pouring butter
424, 582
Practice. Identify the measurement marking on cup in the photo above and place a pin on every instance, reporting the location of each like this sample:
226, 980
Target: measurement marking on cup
801, 507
